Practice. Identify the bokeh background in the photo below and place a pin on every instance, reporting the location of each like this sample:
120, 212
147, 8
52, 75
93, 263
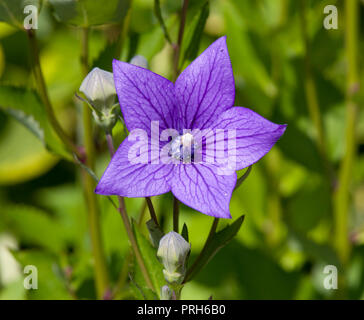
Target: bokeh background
303, 202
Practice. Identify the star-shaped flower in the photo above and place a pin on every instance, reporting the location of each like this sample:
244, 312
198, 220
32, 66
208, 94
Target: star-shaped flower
201, 100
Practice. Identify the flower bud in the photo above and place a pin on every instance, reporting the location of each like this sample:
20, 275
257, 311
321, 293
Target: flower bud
166, 293
139, 61
173, 251
99, 89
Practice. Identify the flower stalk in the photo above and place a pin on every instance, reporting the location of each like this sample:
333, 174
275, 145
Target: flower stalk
177, 46
342, 196
101, 274
175, 214
127, 225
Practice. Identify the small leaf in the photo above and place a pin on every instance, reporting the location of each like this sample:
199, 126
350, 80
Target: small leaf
149, 255
218, 241
195, 33
155, 232
185, 232
85, 13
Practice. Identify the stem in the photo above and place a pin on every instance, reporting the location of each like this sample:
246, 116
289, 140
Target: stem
177, 47
128, 226
151, 210
175, 214
311, 96
191, 270
342, 203
42, 89
101, 275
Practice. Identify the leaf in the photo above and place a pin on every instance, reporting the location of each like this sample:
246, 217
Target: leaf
33, 226
25, 106
185, 232
218, 241
25, 161
243, 53
195, 32
155, 233
51, 285
12, 12
158, 13
149, 255
86, 13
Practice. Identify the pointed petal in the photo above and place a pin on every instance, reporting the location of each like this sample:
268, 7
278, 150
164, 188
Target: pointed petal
144, 97
206, 88
126, 178
200, 187
255, 136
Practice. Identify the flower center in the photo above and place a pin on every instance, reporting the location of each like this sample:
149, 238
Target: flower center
182, 147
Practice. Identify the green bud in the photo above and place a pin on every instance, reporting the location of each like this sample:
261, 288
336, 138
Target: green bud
173, 252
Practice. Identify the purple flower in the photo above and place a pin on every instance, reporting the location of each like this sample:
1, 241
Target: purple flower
201, 100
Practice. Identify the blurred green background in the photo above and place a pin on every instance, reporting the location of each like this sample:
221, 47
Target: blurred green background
303, 202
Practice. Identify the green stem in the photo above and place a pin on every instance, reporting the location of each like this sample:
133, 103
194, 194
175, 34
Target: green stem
101, 274
128, 227
342, 196
42, 89
177, 47
311, 96
175, 214
191, 270
152, 211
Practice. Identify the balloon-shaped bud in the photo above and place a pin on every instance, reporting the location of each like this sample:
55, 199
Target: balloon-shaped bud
99, 90
173, 252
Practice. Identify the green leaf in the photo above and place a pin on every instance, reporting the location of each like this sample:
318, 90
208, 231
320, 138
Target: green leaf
185, 232
12, 11
149, 255
243, 52
20, 164
155, 232
218, 241
86, 13
25, 106
194, 34
51, 285
158, 13
33, 227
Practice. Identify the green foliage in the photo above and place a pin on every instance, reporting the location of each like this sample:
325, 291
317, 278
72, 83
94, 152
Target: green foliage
12, 11
218, 241
153, 266
25, 106
85, 13
287, 199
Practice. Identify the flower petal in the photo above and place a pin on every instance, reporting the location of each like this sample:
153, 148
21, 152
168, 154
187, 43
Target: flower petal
144, 97
126, 178
200, 187
255, 136
206, 88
